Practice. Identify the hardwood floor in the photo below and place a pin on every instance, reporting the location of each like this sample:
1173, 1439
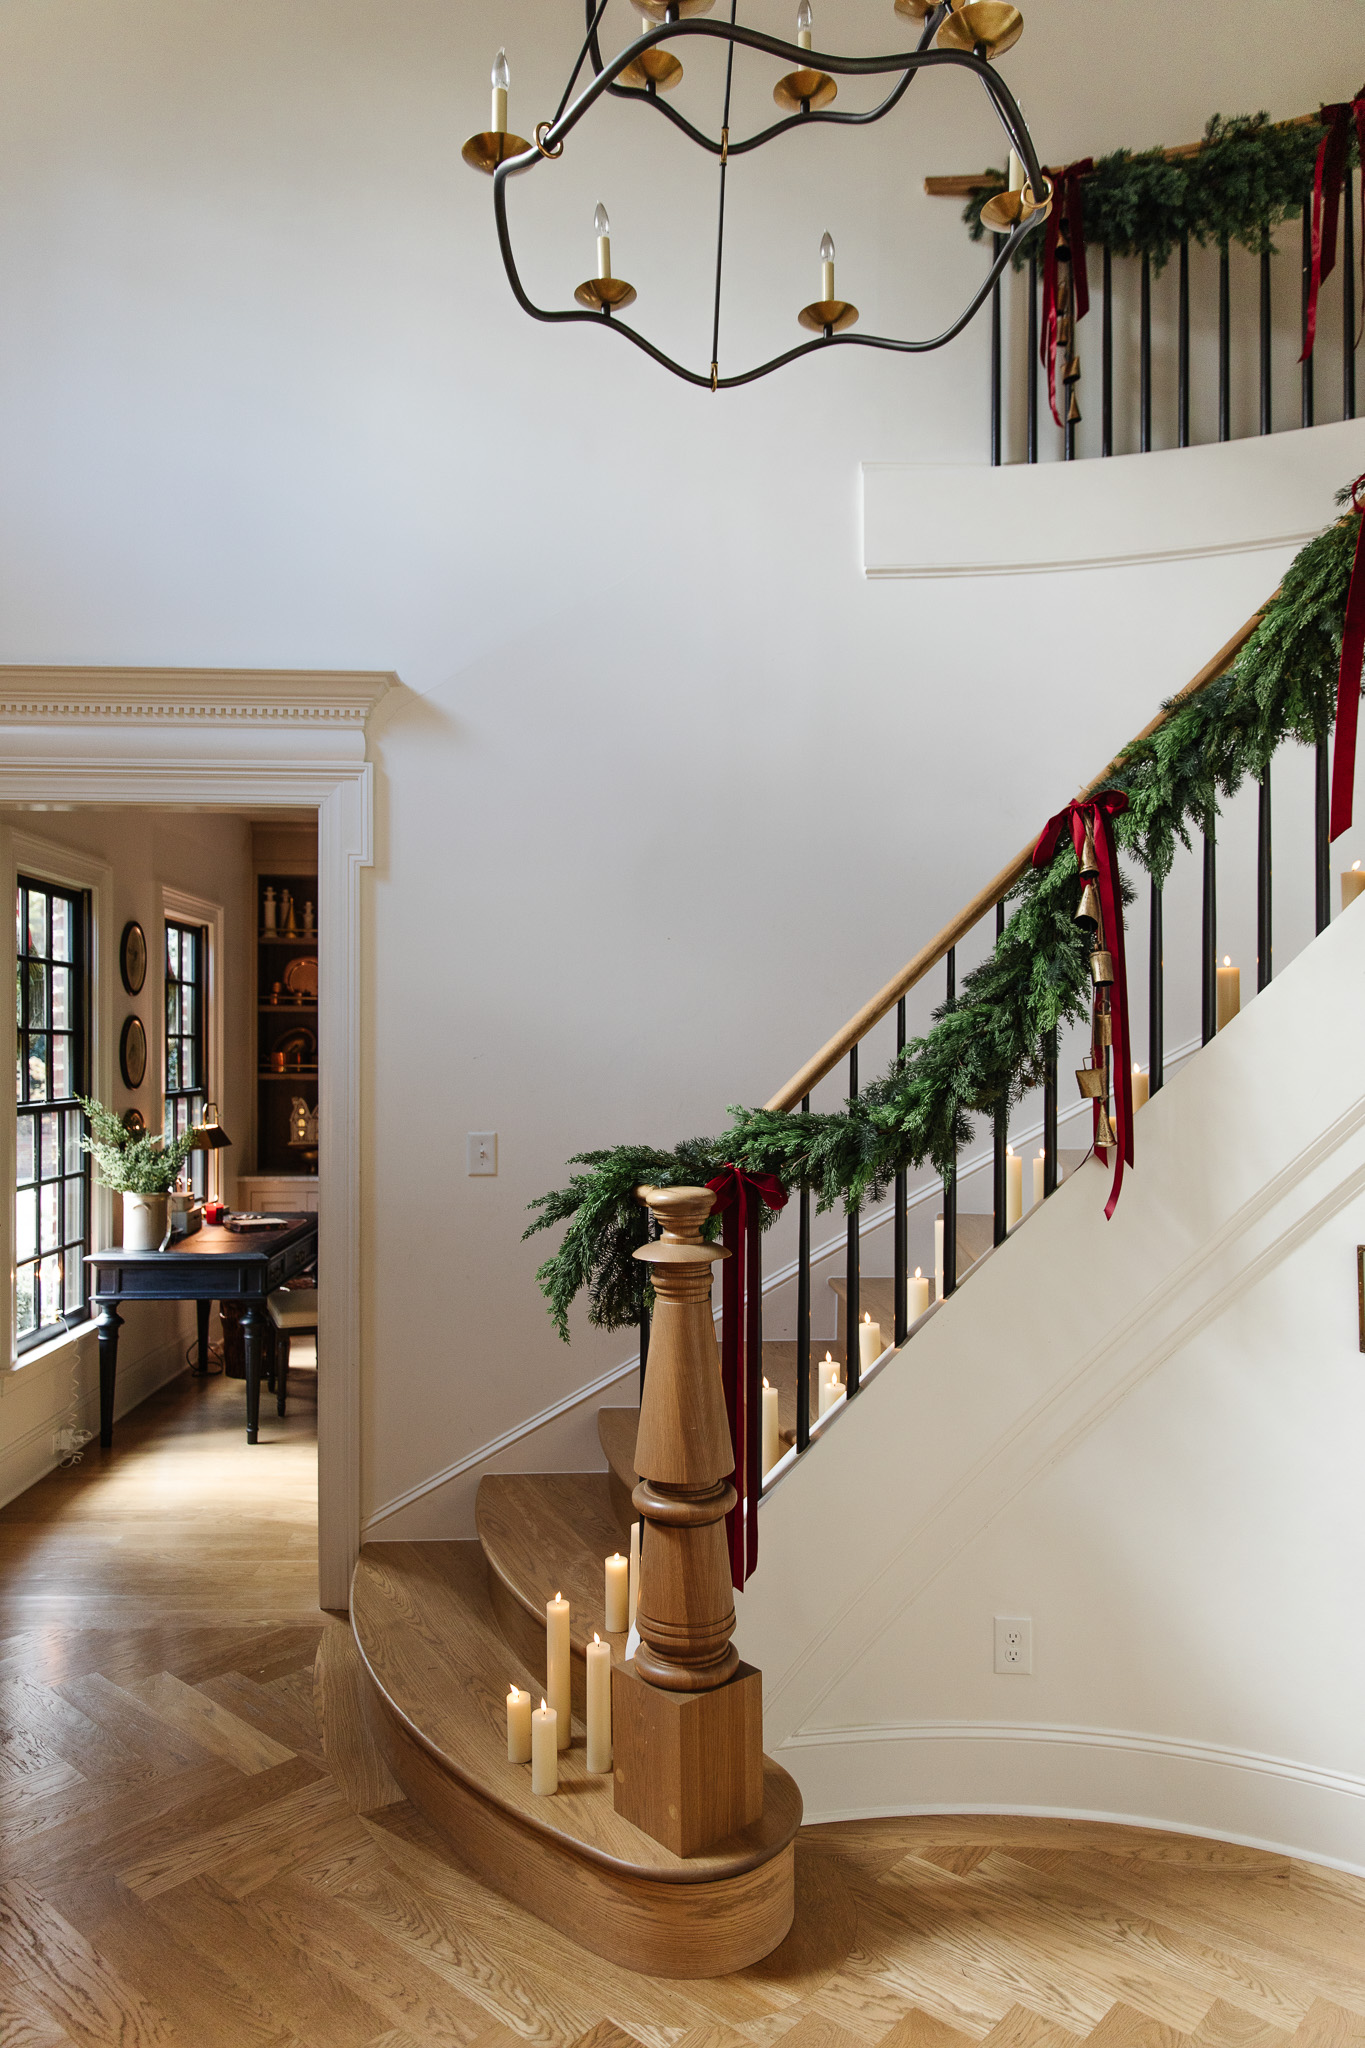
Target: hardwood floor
183, 1867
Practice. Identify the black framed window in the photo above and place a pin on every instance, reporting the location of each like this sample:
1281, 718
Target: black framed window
187, 958
52, 1179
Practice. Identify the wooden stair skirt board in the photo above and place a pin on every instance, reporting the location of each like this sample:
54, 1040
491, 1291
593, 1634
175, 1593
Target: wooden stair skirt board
436, 1669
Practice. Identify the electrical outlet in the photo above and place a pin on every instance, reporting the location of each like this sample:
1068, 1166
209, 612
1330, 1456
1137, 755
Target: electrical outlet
67, 1440
1014, 1643
482, 1152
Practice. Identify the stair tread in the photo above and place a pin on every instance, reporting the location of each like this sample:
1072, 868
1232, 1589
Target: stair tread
551, 1532
617, 1429
425, 1628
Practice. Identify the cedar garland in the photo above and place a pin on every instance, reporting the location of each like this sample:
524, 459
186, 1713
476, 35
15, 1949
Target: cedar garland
986, 1046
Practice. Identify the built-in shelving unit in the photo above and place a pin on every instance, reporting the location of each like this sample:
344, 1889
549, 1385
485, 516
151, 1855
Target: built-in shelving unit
286, 1010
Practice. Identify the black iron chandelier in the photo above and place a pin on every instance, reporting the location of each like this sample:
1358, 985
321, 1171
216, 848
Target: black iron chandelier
967, 35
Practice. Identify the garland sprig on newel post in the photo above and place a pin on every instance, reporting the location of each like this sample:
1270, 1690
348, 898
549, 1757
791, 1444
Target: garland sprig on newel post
986, 1047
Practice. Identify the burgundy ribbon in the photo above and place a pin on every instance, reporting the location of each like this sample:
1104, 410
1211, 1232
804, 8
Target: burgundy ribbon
741, 1361
1329, 182
1348, 680
1099, 812
1066, 203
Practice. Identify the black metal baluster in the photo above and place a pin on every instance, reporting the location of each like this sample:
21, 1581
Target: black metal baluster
1263, 883
1265, 341
1032, 386
1209, 931
1050, 1112
1224, 342
1002, 1125
1145, 358
803, 1310
997, 244
851, 1268
950, 1178
1322, 847
1156, 994
1182, 343
902, 1222
1107, 361
1348, 307
1306, 371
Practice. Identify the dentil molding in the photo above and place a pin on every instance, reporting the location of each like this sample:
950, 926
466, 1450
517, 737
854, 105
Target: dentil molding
236, 696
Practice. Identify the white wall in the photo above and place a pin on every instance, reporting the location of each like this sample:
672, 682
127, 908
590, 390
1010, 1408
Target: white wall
209, 857
670, 787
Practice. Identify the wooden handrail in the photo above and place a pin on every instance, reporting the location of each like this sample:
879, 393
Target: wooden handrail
963, 184
995, 891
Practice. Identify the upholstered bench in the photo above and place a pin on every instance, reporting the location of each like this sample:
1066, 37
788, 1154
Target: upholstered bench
293, 1313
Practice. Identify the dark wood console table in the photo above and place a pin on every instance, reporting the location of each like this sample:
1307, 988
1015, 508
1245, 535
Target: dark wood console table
215, 1264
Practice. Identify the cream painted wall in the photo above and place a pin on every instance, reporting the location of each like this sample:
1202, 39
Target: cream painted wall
670, 786
207, 856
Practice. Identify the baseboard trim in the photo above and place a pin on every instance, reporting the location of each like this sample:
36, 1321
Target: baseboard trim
30, 1457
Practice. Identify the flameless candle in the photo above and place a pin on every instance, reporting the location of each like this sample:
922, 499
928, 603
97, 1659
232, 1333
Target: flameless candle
938, 1258
558, 1680
827, 265
502, 78
830, 1388
617, 1615
1229, 991
1014, 1187
803, 25
599, 1704
916, 1296
1142, 1086
772, 1447
1352, 882
544, 1750
634, 1574
869, 1342
1038, 1165
518, 1726
602, 229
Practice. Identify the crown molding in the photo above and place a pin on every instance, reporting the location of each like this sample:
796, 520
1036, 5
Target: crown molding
289, 696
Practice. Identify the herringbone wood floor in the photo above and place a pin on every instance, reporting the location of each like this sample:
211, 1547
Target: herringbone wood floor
180, 1866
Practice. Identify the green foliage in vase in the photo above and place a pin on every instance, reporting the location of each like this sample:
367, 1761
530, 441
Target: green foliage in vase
985, 1048
144, 1165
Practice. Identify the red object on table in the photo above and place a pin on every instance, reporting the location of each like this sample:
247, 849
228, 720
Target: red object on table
213, 1212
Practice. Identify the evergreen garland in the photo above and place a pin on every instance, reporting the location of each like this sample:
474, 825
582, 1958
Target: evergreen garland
1249, 174
984, 1048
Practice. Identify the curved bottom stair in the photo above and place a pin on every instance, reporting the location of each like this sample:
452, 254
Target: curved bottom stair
442, 1630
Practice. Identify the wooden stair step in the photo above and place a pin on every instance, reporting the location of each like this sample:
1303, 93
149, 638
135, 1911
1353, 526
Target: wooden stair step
437, 1668
544, 1533
617, 1429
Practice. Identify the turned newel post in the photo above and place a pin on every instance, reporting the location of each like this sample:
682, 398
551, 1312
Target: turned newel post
686, 1610
688, 1716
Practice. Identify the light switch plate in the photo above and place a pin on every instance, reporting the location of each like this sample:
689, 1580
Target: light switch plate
483, 1152
1014, 1644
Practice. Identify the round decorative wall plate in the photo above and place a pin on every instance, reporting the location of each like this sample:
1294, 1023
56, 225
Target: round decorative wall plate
132, 957
301, 977
132, 1053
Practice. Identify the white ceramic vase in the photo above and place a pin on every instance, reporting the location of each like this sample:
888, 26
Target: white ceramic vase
144, 1221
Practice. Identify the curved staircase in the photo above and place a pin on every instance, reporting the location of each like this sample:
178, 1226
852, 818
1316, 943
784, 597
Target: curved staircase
443, 1629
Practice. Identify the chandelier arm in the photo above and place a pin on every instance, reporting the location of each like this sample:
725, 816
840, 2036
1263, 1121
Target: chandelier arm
589, 44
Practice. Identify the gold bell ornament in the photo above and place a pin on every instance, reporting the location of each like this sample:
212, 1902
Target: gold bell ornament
1088, 915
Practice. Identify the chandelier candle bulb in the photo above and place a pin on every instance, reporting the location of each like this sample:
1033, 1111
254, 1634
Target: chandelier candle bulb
558, 1670
502, 79
827, 265
544, 1750
772, 1443
1142, 1086
633, 1597
602, 229
518, 1726
1352, 882
1229, 991
803, 27
1014, 1187
599, 1704
616, 1613
916, 1296
869, 1342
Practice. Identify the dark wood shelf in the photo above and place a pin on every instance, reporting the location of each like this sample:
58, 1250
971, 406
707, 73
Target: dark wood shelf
288, 939
289, 1074
288, 1009
289, 1026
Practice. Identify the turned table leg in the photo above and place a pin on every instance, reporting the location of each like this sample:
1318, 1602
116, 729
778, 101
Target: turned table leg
253, 1338
110, 1323
202, 1310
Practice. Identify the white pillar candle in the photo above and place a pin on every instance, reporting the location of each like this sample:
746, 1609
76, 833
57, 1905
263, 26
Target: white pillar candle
501, 80
830, 1389
1014, 1187
544, 1750
634, 1581
1038, 1167
772, 1446
518, 1726
916, 1296
599, 1704
869, 1342
558, 1669
1229, 991
617, 1609
1352, 882
1142, 1086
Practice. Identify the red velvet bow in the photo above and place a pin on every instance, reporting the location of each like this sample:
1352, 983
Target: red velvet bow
1099, 812
1066, 204
741, 1347
1329, 181
1348, 679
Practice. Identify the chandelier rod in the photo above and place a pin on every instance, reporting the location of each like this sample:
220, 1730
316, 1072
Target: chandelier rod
720, 202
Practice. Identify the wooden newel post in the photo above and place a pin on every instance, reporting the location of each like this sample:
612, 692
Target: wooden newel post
688, 1715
